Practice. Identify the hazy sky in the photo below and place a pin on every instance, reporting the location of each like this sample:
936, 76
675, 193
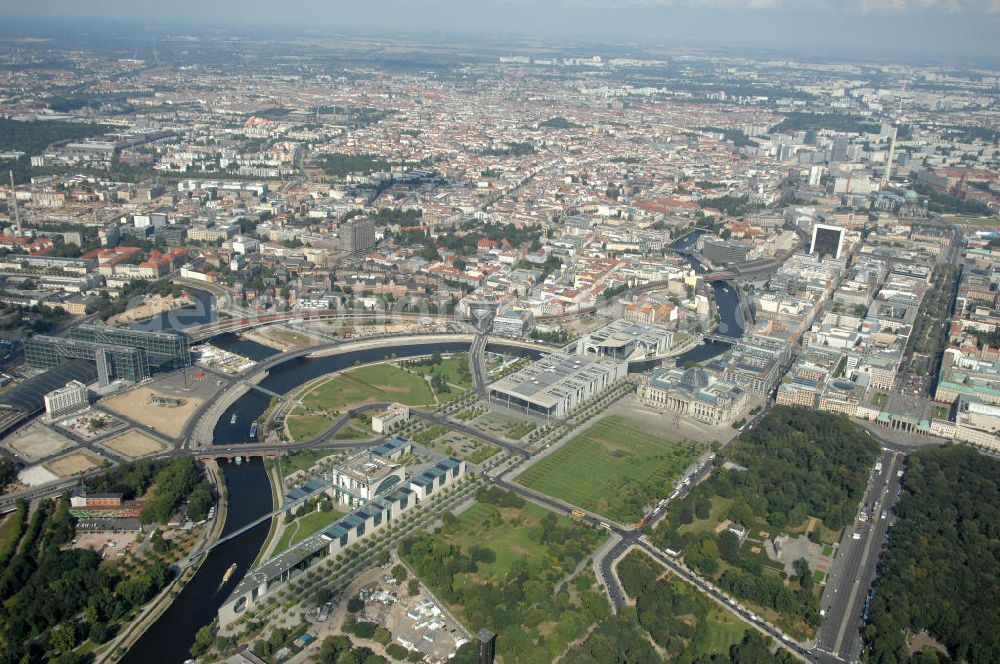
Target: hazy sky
950, 29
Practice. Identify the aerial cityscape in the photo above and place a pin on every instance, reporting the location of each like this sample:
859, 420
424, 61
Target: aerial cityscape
412, 343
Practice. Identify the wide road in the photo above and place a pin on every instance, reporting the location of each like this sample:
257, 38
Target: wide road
855, 567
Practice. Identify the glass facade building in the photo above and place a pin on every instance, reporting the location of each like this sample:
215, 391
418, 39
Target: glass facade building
113, 362
170, 347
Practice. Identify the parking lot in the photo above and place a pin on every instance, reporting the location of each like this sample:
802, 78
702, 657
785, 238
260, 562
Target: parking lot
105, 543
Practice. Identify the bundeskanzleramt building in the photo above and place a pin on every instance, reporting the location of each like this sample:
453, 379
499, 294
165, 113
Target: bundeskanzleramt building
554, 385
261, 581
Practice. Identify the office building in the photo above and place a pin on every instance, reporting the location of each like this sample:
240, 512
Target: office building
360, 236
166, 349
513, 323
623, 340
113, 362
554, 385
396, 413
724, 252
755, 363
816, 174
487, 646
827, 241
66, 399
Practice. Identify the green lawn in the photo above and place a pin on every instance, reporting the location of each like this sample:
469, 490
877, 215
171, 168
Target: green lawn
502, 564
828, 551
303, 527
482, 452
615, 468
377, 382
509, 538
8, 528
352, 432
518, 430
301, 427
721, 631
719, 507
879, 400
971, 221
302, 460
430, 434
454, 369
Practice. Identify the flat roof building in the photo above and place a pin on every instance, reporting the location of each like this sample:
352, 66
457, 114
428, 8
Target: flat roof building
113, 362
827, 240
167, 348
66, 399
554, 385
625, 339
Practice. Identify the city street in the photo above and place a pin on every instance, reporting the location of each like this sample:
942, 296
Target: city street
855, 567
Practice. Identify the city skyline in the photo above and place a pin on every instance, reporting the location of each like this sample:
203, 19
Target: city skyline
956, 31
332, 340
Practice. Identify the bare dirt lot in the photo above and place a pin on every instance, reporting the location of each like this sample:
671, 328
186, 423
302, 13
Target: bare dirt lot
137, 405
37, 443
134, 444
73, 464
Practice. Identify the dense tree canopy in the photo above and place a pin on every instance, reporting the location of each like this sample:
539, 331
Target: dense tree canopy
797, 463
33, 137
44, 588
531, 593
181, 478
802, 120
941, 572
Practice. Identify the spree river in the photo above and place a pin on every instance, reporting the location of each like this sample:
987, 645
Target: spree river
249, 492
247, 487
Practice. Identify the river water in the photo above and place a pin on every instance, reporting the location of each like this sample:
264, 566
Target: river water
171, 636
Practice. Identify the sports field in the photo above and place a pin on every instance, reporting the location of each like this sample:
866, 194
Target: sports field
370, 384
615, 468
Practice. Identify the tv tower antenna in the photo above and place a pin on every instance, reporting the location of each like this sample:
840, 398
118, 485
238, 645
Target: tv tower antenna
17, 213
892, 142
